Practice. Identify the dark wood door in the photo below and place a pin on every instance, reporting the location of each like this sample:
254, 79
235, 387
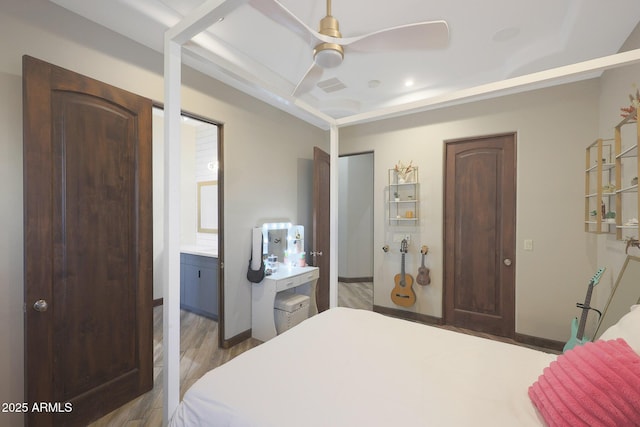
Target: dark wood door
321, 224
88, 245
479, 233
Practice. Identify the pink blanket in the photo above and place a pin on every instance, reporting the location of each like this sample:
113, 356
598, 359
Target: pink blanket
597, 384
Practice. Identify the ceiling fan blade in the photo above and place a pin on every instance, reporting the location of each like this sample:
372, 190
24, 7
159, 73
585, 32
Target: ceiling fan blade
418, 36
280, 14
310, 79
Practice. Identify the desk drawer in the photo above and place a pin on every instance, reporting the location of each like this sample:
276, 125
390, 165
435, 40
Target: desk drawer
297, 280
307, 277
288, 283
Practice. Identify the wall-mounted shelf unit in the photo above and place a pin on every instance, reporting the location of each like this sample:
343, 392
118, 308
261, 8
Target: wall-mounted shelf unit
599, 195
627, 136
403, 206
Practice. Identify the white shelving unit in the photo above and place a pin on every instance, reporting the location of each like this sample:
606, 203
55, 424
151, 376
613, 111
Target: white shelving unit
403, 204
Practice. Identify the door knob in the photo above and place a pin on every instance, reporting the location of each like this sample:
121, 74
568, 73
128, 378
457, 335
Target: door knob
40, 305
507, 262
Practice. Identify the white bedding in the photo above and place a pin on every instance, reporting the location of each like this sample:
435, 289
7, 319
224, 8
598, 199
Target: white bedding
347, 367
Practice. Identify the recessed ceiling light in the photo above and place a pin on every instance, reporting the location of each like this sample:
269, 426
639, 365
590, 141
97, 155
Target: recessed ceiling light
408, 83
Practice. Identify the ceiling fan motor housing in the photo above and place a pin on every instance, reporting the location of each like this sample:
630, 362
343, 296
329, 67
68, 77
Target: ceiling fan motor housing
329, 55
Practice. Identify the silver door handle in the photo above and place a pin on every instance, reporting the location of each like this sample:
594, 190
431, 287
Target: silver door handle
507, 262
40, 305
319, 253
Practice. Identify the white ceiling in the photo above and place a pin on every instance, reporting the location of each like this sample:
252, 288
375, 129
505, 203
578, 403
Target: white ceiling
489, 41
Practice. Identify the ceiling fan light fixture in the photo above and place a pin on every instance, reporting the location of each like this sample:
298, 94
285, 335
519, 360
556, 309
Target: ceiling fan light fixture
328, 55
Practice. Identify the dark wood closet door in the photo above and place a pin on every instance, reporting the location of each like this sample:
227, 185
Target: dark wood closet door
88, 245
479, 232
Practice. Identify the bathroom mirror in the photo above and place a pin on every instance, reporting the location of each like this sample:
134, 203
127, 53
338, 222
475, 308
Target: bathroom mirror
281, 237
207, 207
624, 294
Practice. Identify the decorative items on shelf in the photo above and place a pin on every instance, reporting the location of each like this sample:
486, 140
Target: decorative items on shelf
404, 174
632, 108
610, 217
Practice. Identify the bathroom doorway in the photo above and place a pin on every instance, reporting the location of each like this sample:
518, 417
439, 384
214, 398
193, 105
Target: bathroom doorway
201, 222
355, 230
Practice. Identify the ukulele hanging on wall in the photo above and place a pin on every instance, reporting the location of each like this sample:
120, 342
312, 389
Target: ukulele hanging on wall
423, 272
402, 293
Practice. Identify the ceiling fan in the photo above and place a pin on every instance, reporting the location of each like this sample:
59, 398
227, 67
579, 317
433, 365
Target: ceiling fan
329, 46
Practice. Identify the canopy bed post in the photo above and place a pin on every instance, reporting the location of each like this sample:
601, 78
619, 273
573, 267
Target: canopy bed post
333, 215
171, 276
202, 17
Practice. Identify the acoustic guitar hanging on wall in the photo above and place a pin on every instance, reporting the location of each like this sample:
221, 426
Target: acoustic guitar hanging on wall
423, 272
402, 293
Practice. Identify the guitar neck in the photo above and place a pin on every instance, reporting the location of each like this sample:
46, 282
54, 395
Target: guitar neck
402, 274
585, 312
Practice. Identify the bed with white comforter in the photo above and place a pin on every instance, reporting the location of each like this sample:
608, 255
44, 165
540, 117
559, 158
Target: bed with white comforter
347, 367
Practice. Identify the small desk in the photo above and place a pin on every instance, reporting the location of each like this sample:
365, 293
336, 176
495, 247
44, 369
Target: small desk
301, 280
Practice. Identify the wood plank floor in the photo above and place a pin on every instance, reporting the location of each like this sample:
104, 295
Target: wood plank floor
355, 295
199, 353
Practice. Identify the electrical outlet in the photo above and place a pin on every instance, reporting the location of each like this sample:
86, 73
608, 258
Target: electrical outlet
528, 245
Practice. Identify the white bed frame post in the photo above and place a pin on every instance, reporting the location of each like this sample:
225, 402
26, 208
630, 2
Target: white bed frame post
171, 276
333, 215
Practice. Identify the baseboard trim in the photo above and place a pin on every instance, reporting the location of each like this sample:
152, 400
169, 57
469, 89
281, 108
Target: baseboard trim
354, 279
539, 342
230, 342
432, 320
408, 315
226, 344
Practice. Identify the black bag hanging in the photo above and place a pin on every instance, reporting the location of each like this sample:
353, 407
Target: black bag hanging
255, 276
